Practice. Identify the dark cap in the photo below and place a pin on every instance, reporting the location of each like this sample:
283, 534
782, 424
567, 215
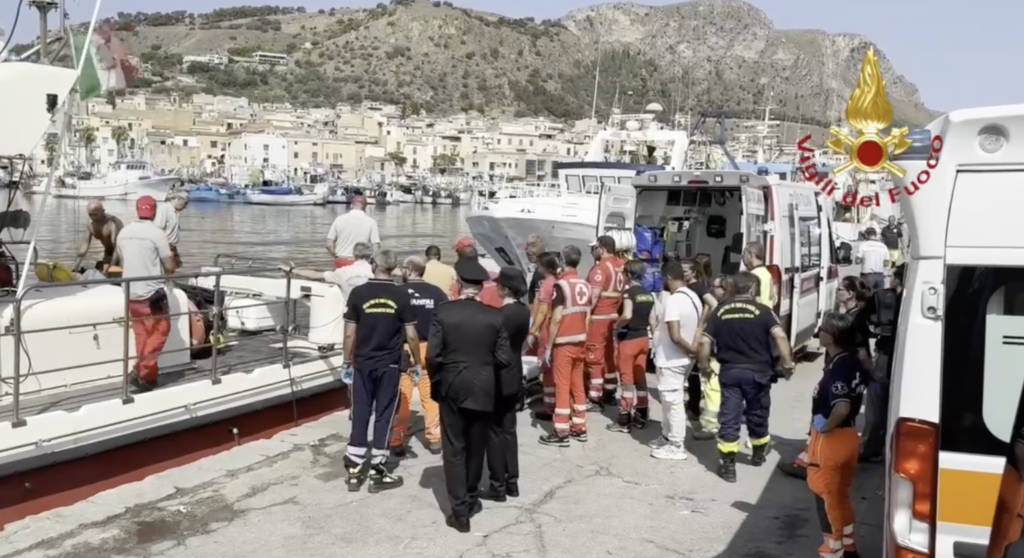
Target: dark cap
470, 271
512, 279
146, 207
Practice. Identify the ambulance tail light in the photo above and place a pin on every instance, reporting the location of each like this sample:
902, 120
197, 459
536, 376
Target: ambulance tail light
776, 274
912, 488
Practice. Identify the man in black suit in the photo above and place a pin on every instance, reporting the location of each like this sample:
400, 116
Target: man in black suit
470, 363
503, 443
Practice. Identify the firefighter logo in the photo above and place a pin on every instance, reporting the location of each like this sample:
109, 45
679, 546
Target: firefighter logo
582, 294
839, 388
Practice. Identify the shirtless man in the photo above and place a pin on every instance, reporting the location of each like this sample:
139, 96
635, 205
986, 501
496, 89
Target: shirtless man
102, 227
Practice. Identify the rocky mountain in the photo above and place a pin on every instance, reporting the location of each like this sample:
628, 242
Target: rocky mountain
702, 55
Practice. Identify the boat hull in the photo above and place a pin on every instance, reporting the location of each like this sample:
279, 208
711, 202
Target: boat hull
501, 235
155, 187
285, 199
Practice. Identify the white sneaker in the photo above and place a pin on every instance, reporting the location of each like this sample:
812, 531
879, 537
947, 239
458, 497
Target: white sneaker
669, 451
659, 442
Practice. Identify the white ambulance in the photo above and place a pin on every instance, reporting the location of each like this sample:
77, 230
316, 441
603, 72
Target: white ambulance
959, 361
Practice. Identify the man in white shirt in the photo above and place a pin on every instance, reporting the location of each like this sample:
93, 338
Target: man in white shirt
872, 256
350, 228
348, 277
167, 219
675, 348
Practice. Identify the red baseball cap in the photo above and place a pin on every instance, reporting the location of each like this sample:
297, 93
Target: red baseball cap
146, 207
465, 242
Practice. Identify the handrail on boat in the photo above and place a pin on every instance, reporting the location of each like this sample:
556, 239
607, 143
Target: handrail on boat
216, 310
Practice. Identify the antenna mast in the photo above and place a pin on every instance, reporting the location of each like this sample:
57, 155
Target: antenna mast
597, 79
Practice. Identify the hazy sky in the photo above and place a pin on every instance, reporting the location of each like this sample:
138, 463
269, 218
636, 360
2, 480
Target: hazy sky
959, 53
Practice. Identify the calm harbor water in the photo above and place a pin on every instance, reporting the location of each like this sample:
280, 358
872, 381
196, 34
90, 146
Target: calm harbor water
278, 233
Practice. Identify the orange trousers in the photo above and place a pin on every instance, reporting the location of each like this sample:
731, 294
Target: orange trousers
831, 465
601, 358
151, 326
633, 355
570, 395
1009, 515
431, 413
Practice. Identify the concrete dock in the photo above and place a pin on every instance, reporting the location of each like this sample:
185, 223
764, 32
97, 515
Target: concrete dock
286, 498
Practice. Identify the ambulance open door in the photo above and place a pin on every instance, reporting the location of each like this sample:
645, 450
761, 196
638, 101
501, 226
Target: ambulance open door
616, 208
754, 214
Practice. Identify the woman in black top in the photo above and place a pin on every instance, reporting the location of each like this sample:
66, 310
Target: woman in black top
634, 347
834, 445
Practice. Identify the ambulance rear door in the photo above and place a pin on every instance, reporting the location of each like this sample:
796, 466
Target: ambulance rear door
754, 214
616, 208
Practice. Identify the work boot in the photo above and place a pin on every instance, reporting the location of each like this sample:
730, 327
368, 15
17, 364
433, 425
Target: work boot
434, 448
595, 407
640, 418
578, 436
554, 440
704, 435
356, 475
620, 425
381, 480
398, 451
727, 466
609, 399
759, 455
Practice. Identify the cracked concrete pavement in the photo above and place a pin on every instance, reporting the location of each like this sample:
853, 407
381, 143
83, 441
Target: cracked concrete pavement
286, 497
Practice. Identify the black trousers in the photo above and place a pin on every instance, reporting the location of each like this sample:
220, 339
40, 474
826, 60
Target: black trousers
374, 396
693, 393
463, 443
503, 448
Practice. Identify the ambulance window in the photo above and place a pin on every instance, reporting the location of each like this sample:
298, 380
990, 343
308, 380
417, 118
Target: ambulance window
983, 345
810, 244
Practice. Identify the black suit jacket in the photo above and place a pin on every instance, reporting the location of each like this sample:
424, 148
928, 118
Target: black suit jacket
469, 358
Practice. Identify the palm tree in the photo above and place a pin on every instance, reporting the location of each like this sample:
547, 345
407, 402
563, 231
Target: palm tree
120, 136
88, 135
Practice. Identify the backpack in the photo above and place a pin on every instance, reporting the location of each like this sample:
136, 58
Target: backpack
883, 312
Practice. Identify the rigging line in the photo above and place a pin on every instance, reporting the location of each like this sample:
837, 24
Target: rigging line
14, 26
40, 207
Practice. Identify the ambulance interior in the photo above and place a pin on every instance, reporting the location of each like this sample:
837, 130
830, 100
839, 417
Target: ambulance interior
695, 220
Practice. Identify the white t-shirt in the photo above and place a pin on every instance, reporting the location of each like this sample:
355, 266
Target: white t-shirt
143, 247
167, 219
873, 255
683, 306
350, 276
351, 228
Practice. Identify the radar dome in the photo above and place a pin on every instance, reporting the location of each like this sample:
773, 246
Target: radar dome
632, 125
654, 107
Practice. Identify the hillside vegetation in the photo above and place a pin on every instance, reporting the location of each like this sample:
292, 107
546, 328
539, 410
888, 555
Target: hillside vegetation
703, 55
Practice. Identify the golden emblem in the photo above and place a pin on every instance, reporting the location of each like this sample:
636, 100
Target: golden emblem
869, 112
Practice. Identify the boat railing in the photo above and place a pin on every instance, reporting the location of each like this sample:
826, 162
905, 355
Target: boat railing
16, 338
516, 190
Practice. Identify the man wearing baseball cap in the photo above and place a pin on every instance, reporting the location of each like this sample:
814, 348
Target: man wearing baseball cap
465, 248
144, 251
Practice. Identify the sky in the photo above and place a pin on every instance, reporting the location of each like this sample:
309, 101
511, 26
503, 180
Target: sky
960, 54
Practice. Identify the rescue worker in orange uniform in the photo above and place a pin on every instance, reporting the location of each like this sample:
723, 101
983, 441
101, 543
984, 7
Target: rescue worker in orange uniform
638, 320
549, 265
832, 453
607, 283
566, 354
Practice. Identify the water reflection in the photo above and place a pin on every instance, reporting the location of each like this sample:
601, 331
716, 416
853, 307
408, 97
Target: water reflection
293, 233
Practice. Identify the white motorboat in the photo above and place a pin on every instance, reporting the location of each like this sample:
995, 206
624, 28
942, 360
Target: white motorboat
269, 196
564, 212
127, 179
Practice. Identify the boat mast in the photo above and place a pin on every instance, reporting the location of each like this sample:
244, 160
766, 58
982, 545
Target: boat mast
597, 79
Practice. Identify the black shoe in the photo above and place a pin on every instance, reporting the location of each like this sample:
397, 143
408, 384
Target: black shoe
139, 384
554, 440
692, 416
595, 407
727, 466
356, 477
579, 436
493, 495
543, 416
460, 524
512, 489
434, 448
639, 422
704, 435
476, 508
381, 480
759, 455
616, 427
398, 451
609, 399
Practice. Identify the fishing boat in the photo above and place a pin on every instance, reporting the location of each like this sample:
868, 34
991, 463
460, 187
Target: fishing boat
127, 179
251, 351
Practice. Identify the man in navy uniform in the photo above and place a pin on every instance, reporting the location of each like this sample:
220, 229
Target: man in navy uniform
469, 361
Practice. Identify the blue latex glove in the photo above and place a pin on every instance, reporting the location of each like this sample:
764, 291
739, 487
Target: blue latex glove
347, 374
819, 422
417, 372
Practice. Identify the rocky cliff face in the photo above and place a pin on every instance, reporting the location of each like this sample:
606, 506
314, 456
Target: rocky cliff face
703, 55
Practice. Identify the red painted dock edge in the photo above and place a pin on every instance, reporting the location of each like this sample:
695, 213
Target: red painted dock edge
63, 484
